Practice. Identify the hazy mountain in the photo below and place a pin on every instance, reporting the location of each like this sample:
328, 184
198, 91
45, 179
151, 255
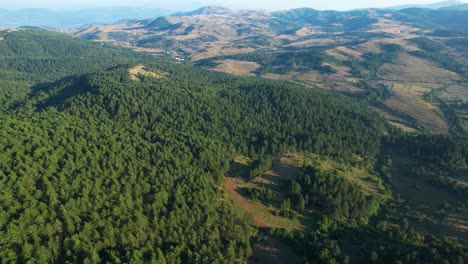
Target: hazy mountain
429, 6
207, 10
69, 19
456, 7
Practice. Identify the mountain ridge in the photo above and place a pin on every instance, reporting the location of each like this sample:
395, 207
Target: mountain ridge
436, 5
43, 17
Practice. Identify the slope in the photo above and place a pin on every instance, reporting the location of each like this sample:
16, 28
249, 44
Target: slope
365, 54
102, 168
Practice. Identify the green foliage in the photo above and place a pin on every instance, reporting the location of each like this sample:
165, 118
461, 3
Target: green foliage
100, 168
260, 166
44, 56
439, 150
265, 195
334, 196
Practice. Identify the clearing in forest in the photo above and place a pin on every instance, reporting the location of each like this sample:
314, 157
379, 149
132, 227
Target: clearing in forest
140, 70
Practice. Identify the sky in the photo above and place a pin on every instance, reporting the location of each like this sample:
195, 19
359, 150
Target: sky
185, 5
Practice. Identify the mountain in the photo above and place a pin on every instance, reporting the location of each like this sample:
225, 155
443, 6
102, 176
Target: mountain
69, 19
437, 5
459, 7
362, 53
207, 10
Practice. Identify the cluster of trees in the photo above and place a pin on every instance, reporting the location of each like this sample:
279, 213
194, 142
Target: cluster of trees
86, 190
439, 150
380, 241
262, 194
43, 56
260, 166
331, 195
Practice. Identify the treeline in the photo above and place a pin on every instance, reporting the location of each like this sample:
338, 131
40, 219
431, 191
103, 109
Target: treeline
439, 150
43, 56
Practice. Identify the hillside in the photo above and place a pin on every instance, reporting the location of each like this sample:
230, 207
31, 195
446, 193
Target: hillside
393, 59
108, 155
102, 167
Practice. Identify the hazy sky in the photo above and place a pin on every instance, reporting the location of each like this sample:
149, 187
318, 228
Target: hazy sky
191, 4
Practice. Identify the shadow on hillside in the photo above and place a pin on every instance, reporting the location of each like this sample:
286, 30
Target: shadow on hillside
57, 93
238, 170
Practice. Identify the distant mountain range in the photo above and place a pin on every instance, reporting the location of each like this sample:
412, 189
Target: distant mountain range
461, 7
41, 17
213, 30
70, 19
444, 4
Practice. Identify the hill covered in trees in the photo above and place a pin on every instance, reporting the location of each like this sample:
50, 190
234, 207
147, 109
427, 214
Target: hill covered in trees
99, 163
97, 167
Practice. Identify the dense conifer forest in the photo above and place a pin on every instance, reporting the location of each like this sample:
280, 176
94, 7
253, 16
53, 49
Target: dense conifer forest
97, 167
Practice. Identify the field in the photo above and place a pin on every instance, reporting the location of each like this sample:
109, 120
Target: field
408, 98
412, 78
137, 71
242, 68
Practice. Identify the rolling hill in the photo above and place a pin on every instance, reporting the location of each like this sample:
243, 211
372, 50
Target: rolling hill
108, 155
370, 54
438, 5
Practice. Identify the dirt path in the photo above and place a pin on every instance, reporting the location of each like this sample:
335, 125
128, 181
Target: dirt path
230, 187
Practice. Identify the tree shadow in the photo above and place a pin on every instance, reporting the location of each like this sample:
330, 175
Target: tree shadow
238, 170
57, 93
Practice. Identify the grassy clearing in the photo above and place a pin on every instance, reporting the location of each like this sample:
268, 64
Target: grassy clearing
408, 98
235, 186
241, 68
369, 183
317, 79
273, 251
138, 71
413, 69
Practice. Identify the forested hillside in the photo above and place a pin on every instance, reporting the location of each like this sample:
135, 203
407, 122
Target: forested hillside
111, 156
97, 167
